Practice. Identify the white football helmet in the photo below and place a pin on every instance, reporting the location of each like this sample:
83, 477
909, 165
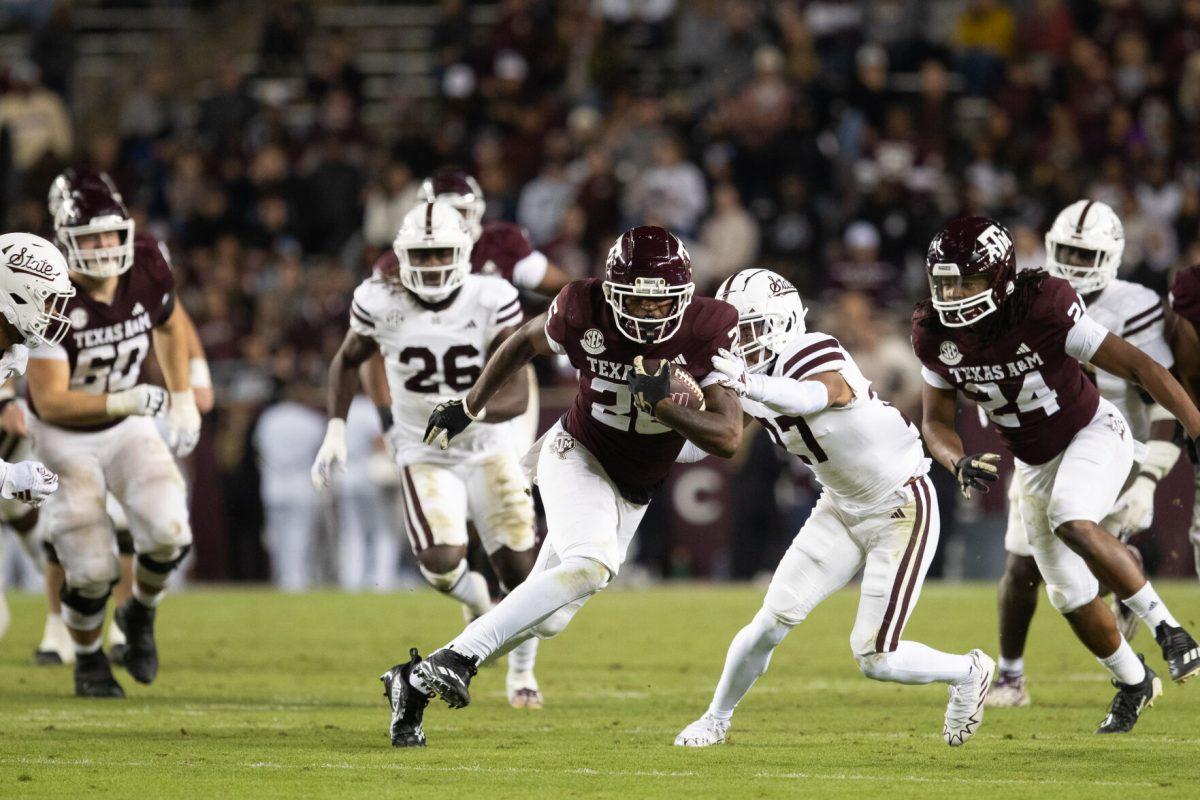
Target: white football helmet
1084, 245
770, 314
434, 251
34, 288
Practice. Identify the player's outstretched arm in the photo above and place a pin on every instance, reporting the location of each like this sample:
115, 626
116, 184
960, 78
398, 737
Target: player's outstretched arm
49, 386
343, 385
373, 375
1185, 347
716, 430
937, 427
199, 375
1118, 357
171, 346
511, 400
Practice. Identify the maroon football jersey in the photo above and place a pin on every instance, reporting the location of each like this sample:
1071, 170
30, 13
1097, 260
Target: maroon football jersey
1185, 294
1032, 389
108, 342
635, 449
503, 249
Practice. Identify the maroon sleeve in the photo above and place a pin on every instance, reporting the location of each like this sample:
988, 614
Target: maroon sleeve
152, 261
566, 317
1185, 294
714, 328
499, 248
1056, 309
387, 265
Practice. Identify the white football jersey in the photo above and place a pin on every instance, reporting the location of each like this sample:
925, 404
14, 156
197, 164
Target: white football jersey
862, 453
1136, 314
433, 356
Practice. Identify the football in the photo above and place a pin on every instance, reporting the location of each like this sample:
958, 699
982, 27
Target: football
685, 391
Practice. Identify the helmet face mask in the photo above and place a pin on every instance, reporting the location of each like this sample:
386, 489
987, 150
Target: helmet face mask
1084, 245
92, 223
434, 252
971, 265
34, 288
648, 284
770, 314
960, 301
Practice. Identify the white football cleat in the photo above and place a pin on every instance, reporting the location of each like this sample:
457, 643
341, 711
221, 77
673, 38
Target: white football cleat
704, 732
1008, 691
964, 712
523, 690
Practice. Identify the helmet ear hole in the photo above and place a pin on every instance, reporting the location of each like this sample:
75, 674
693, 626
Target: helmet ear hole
16, 298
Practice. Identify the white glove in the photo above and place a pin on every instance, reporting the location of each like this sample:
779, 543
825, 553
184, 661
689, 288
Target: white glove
733, 368
331, 456
13, 362
1134, 510
28, 481
143, 400
183, 423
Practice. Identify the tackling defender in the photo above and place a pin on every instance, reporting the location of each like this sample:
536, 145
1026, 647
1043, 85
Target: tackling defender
434, 324
600, 463
1185, 343
878, 509
1014, 343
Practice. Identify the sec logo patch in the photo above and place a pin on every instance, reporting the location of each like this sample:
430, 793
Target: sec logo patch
78, 317
593, 341
949, 354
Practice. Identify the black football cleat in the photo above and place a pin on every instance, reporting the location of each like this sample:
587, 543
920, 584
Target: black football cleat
449, 675
47, 658
136, 621
117, 653
1180, 651
408, 704
94, 678
1130, 702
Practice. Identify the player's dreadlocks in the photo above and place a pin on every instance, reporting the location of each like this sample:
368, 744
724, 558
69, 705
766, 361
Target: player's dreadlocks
1012, 309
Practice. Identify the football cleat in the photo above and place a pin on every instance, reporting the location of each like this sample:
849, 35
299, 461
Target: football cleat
449, 675
1131, 700
523, 691
704, 732
140, 658
47, 658
56, 646
964, 711
1179, 650
1008, 691
94, 678
117, 653
1128, 622
408, 704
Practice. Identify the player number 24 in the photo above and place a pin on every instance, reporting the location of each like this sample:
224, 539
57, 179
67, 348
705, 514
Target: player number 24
1034, 395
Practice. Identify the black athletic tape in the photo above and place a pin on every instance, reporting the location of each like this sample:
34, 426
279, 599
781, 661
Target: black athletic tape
51, 553
163, 567
83, 605
125, 542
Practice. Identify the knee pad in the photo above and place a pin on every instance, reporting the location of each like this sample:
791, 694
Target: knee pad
124, 542
83, 606
50, 553
585, 575
444, 581
875, 666
773, 628
155, 567
1067, 597
553, 625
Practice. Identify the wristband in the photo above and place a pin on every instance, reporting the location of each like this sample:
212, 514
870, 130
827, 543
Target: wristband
473, 417
386, 420
199, 376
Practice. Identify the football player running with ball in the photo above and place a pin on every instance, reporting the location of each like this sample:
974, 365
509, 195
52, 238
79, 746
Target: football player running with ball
1084, 247
877, 510
1013, 343
435, 323
600, 463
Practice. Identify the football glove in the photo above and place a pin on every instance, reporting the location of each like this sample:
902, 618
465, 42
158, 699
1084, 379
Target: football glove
28, 481
183, 424
733, 368
1134, 510
448, 420
647, 389
976, 472
331, 456
143, 400
13, 362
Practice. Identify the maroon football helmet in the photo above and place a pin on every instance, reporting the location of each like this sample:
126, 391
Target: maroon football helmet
646, 265
459, 190
971, 265
85, 205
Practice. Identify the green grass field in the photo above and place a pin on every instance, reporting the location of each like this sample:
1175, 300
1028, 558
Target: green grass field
266, 695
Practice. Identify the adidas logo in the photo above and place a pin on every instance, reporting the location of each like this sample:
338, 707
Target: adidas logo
471, 324
138, 309
1023, 349
898, 514
680, 360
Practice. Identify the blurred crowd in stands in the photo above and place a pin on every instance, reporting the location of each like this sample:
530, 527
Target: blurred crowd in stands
826, 139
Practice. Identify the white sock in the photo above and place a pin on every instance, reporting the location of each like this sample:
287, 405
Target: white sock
1013, 666
472, 591
53, 633
145, 598
1149, 606
114, 635
539, 596
748, 657
914, 663
521, 657
1124, 664
87, 649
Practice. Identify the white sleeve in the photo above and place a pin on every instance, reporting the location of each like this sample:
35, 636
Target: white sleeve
690, 454
935, 380
362, 321
49, 352
1084, 339
1151, 342
788, 396
530, 270
507, 313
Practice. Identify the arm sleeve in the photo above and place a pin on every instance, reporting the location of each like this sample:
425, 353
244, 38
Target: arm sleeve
788, 396
507, 311
362, 321
935, 380
529, 271
1084, 338
725, 325
815, 355
556, 321
1145, 331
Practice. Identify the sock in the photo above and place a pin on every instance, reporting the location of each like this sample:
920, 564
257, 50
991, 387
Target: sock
521, 658
1012, 666
114, 635
87, 649
53, 633
539, 596
472, 591
1124, 664
748, 657
914, 663
145, 598
1149, 606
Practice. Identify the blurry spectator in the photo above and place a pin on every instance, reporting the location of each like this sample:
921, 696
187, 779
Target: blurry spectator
368, 544
229, 108
880, 348
1031, 249
152, 108
983, 36
567, 250
36, 117
728, 239
451, 33
54, 49
335, 70
543, 202
334, 199
672, 190
281, 47
387, 203
860, 269
1047, 29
